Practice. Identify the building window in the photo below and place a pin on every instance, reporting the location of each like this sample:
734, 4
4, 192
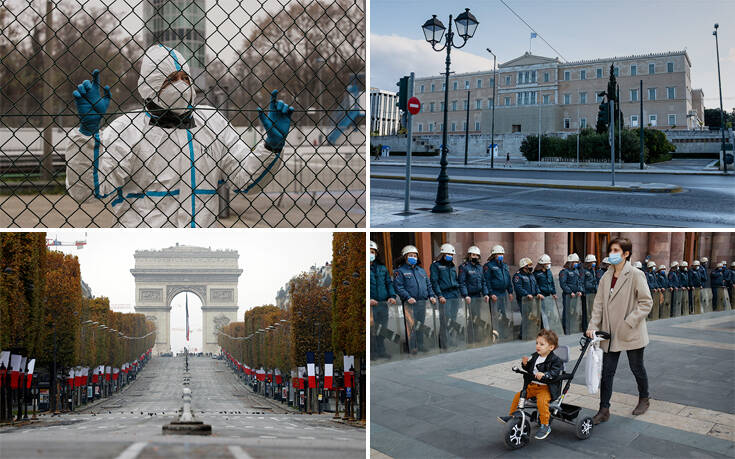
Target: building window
467, 84
441, 106
599, 98
651, 69
477, 125
454, 127
651, 93
672, 120
507, 101
441, 127
671, 93
464, 105
582, 97
454, 86
546, 99
583, 74
670, 67
479, 84
489, 103
633, 120
431, 107
617, 71
652, 120
583, 123
599, 73
633, 70
634, 95
454, 105
464, 125
516, 128
567, 98
546, 77
566, 123
478, 104
432, 87
421, 127
431, 127
444, 86
421, 88
507, 81
567, 75
492, 82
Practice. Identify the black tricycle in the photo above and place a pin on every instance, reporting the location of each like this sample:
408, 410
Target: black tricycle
518, 428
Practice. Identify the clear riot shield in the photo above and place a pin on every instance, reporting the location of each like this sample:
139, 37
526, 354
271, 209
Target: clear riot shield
452, 324
531, 322
665, 307
550, 317
573, 314
421, 327
655, 309
502, 318
707, 299
479, 322
685, 302
387, 332
676, 302
722, 299
697, 300
589, 299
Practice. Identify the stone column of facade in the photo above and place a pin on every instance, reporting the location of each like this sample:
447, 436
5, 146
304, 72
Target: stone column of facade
556, 246
640, 245
486, 241
659, 247
528, 245
461, 242
705, 246
677, 246
721, 248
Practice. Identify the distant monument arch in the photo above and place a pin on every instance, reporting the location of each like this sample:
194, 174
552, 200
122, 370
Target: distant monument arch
211, 275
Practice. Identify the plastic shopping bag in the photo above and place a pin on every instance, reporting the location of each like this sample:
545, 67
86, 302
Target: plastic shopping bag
593, 367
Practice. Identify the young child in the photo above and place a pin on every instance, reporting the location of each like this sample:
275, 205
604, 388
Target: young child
546, 368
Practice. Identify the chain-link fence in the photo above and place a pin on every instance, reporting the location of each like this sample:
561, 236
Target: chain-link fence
179, 128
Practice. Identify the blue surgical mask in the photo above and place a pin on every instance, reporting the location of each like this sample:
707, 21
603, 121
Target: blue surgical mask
500, 258
576, 265
412, 260
448, 257
594, 264
615, 258
372, 257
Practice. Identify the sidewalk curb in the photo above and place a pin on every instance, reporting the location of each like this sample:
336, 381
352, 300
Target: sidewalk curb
554, 169
634, 188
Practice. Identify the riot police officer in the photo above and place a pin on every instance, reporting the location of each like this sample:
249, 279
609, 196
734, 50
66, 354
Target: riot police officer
525, 286
413, 287
571, 285
651, 277
381, 291
602, 269
500, 289
589, 285
472, 288
544, 278
446, 287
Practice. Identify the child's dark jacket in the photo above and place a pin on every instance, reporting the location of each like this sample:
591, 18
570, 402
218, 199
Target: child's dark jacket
552, 368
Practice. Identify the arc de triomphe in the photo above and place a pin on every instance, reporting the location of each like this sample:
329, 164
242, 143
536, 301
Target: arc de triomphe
211, 275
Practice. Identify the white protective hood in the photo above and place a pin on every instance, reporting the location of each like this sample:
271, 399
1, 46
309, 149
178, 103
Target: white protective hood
158, 63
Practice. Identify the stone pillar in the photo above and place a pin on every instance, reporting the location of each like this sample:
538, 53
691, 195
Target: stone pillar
721, 248
556, 245
676, 251
640, 245
528, 245
659, 247
705, 246
461, 242
486, 241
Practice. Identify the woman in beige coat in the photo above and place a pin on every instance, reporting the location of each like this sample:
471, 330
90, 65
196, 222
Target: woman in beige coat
621, 306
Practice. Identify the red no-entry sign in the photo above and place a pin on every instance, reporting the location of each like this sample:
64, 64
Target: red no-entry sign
414, 105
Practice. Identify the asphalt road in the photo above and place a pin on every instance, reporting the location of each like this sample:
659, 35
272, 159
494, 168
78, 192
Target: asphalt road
129, 425
704, 201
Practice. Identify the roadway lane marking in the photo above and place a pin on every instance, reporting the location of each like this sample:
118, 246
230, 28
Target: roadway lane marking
238, 453
306, 438
693, 342
268, 436
132, 451
707, 324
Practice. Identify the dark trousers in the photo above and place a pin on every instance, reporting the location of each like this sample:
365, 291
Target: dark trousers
416, 336
380, 316
610, 364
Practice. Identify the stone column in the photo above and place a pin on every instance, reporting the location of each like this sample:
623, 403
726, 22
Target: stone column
486, 241
528, 245
676, 251
461, 242
556, 245
721, 248
640, 245
705, 246
659, 244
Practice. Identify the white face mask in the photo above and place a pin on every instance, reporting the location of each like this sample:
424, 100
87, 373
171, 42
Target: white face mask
177, 96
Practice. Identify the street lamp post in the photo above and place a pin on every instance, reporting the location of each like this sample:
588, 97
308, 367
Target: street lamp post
722, 111
433, 29
492, 129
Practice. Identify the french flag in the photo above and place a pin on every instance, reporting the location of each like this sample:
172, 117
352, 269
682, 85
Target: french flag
310, 368
279, 378
349, 363
115, 374
85, 376
14, 370
294, 379
328, 369
78, 377
22, 372
95, 375
108, 370
70, 378
31, 367
302, 377
4, 361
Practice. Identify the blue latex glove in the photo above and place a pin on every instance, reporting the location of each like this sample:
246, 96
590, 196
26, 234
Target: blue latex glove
277, 122
90, 106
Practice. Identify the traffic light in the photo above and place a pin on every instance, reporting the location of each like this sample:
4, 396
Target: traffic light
403, 94
603, 115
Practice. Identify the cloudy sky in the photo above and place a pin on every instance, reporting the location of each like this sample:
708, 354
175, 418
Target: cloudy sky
268, 258
578, 29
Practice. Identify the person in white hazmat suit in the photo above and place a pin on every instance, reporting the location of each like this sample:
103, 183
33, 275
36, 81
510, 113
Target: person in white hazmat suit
161, 167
